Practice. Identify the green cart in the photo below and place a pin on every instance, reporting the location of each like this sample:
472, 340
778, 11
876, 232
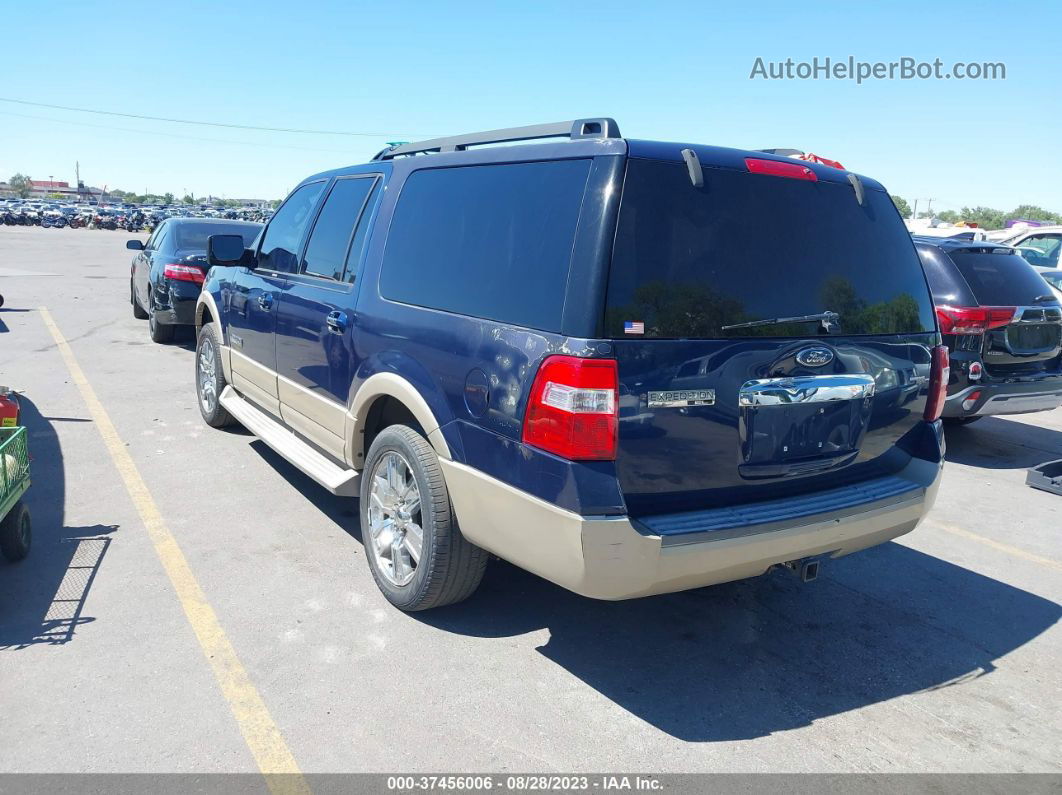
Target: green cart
15, 534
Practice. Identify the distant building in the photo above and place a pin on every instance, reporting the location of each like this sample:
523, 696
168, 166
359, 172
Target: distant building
42, 188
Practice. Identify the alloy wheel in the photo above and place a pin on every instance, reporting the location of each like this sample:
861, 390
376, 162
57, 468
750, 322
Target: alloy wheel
207, 372
395, 529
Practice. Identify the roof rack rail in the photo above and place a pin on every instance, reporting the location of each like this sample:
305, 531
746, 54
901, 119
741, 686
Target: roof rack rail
579, 128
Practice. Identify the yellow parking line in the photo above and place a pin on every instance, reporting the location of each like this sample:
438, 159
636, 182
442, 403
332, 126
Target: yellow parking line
1018, 553
256, 724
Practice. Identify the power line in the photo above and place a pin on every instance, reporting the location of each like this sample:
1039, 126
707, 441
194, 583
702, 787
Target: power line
170, 135
213, 123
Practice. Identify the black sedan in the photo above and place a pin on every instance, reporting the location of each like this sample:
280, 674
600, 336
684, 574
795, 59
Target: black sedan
168, 271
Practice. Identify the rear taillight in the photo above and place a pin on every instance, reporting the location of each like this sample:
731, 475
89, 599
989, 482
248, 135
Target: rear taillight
973, 319
184, 273
775, 168
939, 374
573, 408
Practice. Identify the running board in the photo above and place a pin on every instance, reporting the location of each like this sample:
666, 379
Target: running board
344, 482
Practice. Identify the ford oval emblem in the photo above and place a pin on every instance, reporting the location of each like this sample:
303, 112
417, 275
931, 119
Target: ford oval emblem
815, 357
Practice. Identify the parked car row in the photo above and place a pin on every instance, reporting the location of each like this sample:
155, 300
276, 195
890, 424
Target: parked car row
589, 358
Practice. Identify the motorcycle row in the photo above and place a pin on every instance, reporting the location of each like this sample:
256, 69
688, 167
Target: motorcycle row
130, 222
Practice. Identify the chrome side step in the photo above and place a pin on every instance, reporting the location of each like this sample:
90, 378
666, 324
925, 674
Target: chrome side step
337, 479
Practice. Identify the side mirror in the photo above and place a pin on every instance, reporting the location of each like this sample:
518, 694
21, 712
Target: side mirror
134, 245
224, 249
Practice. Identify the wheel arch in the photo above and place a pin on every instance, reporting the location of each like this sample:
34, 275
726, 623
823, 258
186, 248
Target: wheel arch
206, 311
383, 396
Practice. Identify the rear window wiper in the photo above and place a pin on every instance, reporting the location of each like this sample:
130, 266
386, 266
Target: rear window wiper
827, 318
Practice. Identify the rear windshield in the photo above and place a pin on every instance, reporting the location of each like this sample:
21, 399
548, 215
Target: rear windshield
1005, 279
745, 247
194, 236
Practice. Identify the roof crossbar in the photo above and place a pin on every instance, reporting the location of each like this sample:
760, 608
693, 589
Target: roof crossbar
579, 128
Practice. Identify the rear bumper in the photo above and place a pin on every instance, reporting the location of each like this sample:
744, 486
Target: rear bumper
175, 303
617, 558
1044, 394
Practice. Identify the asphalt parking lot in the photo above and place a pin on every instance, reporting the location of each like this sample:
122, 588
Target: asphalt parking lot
938, 652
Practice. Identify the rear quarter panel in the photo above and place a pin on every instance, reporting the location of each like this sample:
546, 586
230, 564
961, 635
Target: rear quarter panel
475, 374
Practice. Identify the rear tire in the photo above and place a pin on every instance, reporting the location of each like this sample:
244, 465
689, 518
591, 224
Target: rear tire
210, 377
16, 533
160, 332
138, 311
447, 568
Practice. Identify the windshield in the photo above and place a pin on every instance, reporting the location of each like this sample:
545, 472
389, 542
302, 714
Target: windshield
748, 247
194, 236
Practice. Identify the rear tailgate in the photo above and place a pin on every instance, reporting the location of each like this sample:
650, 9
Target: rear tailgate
716, 408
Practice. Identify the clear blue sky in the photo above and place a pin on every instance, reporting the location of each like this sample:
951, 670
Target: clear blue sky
669, 70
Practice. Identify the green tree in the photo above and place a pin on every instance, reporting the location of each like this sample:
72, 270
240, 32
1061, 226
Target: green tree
902, 206
189, 198
168, 198
20, 184
1031, 212
984, 217
949, 216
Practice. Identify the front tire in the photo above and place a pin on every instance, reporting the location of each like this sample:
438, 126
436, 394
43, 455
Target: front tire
16, 533
210, 377
415, 550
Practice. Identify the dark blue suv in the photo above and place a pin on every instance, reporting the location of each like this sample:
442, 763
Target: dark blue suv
630, 367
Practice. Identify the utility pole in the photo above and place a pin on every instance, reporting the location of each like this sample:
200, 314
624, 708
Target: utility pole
929, 208
914, 212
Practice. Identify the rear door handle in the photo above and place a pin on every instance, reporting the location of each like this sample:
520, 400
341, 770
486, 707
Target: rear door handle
265, 301
337, 322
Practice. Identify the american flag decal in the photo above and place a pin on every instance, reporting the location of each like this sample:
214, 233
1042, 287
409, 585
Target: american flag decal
633, 327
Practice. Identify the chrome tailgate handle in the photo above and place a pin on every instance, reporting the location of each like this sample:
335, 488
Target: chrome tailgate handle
805, 389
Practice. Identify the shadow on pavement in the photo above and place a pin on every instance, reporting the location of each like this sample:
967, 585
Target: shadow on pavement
3, 326
42, 598
998, 443
752, 658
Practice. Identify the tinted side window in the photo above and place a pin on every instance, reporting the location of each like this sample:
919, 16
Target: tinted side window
158, 242
155, 237
280, 246
326, 252
361, 235
489, 241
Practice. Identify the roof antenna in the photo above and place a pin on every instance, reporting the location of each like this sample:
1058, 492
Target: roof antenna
858, 186
693, 165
